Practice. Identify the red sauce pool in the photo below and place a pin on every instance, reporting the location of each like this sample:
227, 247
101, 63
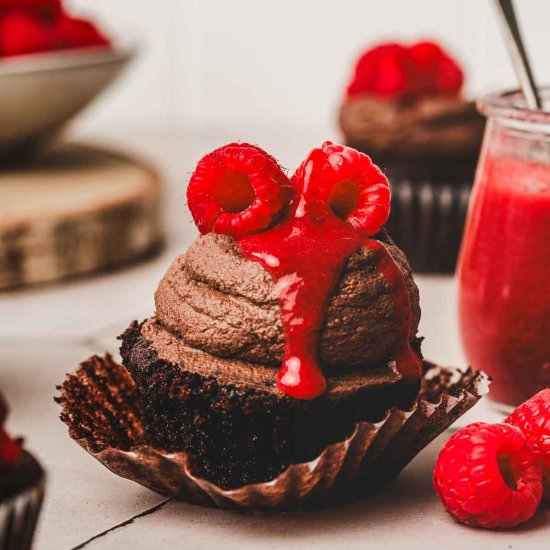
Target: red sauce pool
504, 278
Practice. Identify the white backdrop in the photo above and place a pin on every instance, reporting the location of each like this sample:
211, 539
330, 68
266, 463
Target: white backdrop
250, 64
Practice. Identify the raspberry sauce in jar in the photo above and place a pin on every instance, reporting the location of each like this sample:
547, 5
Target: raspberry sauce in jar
504, 266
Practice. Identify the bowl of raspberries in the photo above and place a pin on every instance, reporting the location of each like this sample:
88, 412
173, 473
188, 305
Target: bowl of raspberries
52, 65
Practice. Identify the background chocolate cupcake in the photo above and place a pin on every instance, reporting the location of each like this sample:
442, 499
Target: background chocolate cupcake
21, 491
405, 108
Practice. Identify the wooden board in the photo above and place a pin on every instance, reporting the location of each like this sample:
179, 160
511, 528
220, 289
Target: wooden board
74, 210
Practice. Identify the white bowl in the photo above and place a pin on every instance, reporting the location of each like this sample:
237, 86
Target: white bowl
39, 93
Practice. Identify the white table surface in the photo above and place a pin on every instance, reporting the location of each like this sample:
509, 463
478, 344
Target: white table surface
45, 332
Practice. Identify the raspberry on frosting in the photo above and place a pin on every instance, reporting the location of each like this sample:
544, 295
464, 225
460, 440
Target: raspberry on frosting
406, 72
488, 476
10, 450
533, 419
236, 190
240, 189
345, 181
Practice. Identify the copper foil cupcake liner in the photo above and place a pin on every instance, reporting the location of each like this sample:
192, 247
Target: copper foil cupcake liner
102, 410
427, 222
19, 516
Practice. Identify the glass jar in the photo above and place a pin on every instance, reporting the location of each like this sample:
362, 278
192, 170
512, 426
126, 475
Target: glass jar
504, 264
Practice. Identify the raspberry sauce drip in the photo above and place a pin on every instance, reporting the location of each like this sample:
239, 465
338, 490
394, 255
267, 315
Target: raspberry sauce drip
305, 258
405, 358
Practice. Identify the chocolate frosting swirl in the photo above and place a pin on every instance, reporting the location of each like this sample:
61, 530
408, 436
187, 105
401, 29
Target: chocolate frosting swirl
438, 127
216, 301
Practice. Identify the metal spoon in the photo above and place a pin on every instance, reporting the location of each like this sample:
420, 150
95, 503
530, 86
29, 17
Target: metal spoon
518, 54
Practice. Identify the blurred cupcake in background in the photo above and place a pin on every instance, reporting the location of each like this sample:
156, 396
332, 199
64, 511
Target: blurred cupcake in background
405, 107
21, 490
34, 26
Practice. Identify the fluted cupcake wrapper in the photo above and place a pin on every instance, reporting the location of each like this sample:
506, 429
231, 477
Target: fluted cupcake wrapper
427, 222
103, 414
19, 516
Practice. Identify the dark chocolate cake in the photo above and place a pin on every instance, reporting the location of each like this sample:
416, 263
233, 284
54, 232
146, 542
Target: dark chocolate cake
236, 425
205, 365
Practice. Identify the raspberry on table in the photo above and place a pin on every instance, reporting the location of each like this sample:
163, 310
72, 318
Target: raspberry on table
346, 180
487, 476
236, 190
533, 419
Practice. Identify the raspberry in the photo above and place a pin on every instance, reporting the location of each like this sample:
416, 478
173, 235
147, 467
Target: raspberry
355, 189
10, 451
40, 25
437, 72
533, 419
237, 189
382, 71
487, 476
30, 4
394, 70
21, 32
79, 33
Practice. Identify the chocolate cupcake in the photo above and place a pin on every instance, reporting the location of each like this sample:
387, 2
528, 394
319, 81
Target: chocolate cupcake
21, 491
404, 107
282, 368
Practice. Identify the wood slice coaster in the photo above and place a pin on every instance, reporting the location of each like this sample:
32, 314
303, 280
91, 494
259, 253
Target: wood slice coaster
75, 210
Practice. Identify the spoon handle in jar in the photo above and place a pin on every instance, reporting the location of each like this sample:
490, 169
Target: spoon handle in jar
518, 53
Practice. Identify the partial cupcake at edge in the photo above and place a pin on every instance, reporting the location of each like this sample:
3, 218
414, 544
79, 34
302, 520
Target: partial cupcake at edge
282, 367
22, 482
405, 107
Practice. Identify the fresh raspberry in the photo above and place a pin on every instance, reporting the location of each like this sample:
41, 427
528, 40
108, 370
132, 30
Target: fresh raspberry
383, 70
394, 70
436, 71
533, 419
348, 183
10, 450
487, 476
79, 33
31, 4
22, 32
237, 189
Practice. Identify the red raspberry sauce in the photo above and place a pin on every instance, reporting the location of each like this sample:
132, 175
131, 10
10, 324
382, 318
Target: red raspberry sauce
305, 259
504, 278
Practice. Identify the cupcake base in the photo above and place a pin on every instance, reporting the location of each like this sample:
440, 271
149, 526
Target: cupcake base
20, 509
104, 413
231, 416
427, 221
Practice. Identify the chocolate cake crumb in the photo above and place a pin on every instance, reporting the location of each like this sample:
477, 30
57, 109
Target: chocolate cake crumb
239, 434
